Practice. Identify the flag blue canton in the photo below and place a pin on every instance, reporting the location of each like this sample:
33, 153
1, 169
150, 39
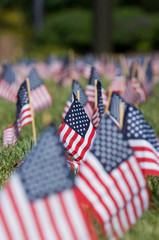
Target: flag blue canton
115, 105
94, 75
149, 72
109, 146
76, 86
8, 75
77, 119
45, 170
22, 98
34, 79
136, 127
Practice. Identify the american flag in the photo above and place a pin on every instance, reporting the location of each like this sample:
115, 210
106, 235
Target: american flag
40, 200
139, 88
68, 72
76, 131
112, 181
98, 112
87, 65
142, 139
130, 95
23, 117
86, 70
148, 82
118, 82
83, 99
64, 77
40, 96
114, 107
8, 86
90, 88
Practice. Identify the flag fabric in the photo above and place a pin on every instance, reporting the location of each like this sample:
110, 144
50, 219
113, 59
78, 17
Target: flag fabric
83, 100
40, 201
142, 139
114, 107
64, 77
130, 95
68, 72
90, 88
112, 181
74, 165
148, 82
139, 88
118, 82
40, 96
96, 118
10, 135
8, 86
98, 112
87, 65
23, 117
76, 131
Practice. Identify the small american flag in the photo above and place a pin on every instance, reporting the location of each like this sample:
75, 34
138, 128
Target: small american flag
83, 100
139, 88
64, 77
98, 112
40, 200
68, 71
142, 139
148, 82
114, 107
76, 131
118, 84
40, 96
112, 181
8, 86
23, 117
90, 88
130, 95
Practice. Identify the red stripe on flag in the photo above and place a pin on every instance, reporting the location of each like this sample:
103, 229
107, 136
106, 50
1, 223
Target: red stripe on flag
16, 209
33, 210
51, 216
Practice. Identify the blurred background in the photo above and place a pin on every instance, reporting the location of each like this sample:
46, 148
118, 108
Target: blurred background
37, 28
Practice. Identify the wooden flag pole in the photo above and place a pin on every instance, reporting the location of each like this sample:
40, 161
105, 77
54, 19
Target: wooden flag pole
121, 115
134, 69
78, 95
123, 85
123, 64
72, 98
31, 109
146, 62
109, 100
96, 94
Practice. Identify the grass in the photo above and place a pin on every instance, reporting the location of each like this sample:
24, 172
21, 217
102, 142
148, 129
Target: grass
148, 226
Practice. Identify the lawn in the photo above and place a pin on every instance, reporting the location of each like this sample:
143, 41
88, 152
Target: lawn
148, 226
